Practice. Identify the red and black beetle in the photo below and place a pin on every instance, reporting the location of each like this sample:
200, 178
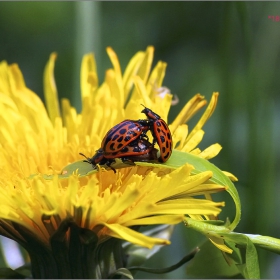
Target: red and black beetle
161, 134
137, 150
129, 142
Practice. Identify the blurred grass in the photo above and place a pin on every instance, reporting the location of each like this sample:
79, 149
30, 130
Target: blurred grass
230, 47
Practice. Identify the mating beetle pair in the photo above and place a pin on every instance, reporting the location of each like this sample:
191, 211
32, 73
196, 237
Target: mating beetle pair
129, 142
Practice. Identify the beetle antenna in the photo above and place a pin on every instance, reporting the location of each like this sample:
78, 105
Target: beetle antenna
83, 155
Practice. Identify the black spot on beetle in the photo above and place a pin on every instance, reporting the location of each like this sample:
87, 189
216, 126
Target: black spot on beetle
122, 131
125, 149
120, 139
164, 125
162, 139
132, 125
119, 146
166, 156
158, 123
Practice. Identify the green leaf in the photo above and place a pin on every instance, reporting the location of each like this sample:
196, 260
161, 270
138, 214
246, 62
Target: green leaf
213, 263
82, 168
236, 256
176, 160
251, 270
248, 267
179, 158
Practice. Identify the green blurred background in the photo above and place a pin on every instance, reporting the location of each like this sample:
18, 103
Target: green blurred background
230, 47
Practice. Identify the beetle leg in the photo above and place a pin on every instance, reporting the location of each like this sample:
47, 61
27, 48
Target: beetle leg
108, 163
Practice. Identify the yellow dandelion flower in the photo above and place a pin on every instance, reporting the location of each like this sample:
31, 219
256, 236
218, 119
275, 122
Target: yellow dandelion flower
64, 221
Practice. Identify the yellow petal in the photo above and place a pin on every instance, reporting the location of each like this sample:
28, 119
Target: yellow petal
193, 141
179, 136
146, 64
135, 237
4, 79
206, 115
188, 206
50, 91
115, 61
164, 219
88, 76
130, 71
231, 176
192, 106
145, 67
156, 78
219, 243
185, 191
116, 88
141, 91
211, 151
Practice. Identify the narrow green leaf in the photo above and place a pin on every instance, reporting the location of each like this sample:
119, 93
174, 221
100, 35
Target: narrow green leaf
252, 270
82, 168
